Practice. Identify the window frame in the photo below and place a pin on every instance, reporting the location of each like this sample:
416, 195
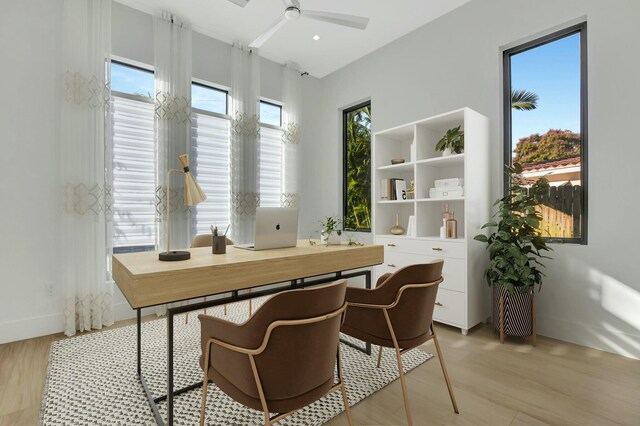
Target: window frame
136, 67
272, 103
581, 29
139, 67
209, 85
345, 185
194, 158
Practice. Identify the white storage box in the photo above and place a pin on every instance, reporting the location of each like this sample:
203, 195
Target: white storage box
446, 192
447, 183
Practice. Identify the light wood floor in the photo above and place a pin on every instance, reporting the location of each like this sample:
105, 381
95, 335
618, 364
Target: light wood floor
512, 384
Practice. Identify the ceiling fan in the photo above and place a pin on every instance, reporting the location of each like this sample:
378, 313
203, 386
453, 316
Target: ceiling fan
292, 11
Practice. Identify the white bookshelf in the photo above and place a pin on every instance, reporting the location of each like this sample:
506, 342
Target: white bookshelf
463, 296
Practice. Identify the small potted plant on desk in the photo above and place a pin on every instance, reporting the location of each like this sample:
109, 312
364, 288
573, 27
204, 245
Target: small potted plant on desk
331, 234
452, 142
515, 249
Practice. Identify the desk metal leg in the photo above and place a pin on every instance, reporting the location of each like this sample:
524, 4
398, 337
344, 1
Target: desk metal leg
139, 334
367, 284
143, 382
169, 367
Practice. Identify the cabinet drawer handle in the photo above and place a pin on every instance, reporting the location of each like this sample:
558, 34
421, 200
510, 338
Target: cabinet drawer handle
391, 265
439, 304
436, 249
391, 245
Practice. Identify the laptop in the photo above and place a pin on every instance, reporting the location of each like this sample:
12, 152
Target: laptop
276, 227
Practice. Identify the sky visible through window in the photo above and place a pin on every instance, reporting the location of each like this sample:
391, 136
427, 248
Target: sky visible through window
552, 71
133, 81
208, 99
270, 114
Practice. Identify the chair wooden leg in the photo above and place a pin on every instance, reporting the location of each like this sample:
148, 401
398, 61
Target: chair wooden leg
205, 309
186, 318
405, 393
379, 357
343, 390
263, 401
444, 371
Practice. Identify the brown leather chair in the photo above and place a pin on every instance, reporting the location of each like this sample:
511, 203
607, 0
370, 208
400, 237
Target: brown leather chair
206, 240
284, 357
398, 314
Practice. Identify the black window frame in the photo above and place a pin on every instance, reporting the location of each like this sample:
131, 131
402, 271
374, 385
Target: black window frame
580, 28
135, 67
262, 101
345, 184
217, 89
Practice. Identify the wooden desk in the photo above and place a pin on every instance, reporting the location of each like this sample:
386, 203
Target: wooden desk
146, 281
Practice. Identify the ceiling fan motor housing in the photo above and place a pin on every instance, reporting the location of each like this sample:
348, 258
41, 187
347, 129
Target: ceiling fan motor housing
292, 13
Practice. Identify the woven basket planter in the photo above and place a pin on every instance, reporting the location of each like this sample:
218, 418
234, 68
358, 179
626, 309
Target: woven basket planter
513, 314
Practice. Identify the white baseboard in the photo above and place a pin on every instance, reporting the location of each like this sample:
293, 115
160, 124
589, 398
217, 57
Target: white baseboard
28, 328
609, 340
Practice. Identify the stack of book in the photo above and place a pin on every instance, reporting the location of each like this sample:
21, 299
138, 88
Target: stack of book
393, 189
447, 188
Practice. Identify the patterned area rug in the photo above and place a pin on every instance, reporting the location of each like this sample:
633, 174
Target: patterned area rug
91, 379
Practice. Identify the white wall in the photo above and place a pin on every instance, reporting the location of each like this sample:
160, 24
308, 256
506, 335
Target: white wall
29, 176
30, 289
591, 295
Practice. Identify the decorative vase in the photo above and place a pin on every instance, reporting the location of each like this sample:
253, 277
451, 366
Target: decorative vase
331, 239
447, 152
397, 230
513, 314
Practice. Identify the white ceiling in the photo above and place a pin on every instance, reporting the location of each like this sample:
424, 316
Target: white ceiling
337, 47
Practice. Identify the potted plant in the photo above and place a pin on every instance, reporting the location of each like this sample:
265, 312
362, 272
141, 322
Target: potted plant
452, 142
516, 248
330, 233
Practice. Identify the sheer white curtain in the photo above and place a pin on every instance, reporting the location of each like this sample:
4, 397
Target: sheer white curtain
172, 62
245, 139
291, 106
85, 148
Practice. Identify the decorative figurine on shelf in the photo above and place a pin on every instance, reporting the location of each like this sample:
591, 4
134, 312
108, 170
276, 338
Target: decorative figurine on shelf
452, 226
397, 230
411, 191
446, 216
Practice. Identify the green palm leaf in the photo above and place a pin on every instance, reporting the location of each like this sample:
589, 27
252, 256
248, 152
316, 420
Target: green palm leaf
523, 100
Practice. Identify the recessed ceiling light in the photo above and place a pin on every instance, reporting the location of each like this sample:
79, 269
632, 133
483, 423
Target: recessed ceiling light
316, 37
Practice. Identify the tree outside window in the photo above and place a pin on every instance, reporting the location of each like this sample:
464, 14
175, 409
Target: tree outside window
357, 168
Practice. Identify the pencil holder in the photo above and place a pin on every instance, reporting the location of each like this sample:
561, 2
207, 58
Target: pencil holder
219, 245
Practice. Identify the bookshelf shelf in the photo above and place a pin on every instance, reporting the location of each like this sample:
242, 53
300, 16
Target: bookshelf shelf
395, 201
447, 161
439, 200
397, 167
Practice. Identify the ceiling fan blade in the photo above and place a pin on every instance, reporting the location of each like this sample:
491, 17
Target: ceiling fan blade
269, 32
241, 3
337, 18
